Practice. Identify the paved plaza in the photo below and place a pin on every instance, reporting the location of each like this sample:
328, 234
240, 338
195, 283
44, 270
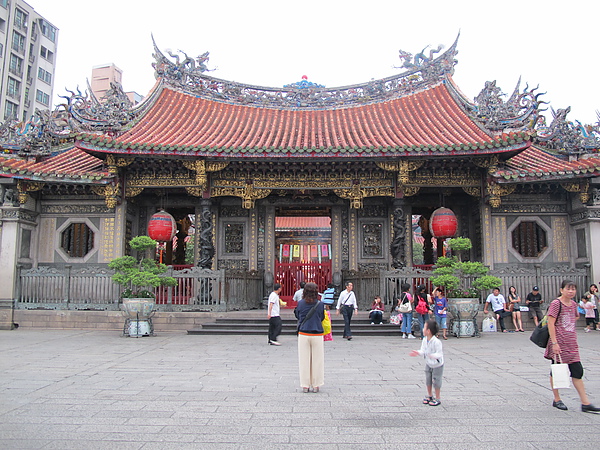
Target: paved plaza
98, 390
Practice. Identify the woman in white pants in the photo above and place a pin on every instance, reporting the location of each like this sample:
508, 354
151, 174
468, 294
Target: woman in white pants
311, 350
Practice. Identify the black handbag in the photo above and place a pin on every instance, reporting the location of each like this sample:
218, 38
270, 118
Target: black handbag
540, 333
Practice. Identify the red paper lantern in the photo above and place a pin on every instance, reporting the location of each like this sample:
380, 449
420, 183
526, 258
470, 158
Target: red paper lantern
443, 223
162, 227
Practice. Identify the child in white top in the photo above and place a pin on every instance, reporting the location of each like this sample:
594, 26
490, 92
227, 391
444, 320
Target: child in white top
590, 314
431, 350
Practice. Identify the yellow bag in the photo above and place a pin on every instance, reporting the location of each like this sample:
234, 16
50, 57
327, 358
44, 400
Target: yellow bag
326, 324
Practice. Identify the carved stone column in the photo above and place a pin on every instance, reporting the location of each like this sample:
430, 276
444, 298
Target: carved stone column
398, 245
427, 242
207, 249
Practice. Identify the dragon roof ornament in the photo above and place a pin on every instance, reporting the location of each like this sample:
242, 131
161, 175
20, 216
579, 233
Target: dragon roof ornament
189, 75
112, 113
521, 111
564, 136
36, 137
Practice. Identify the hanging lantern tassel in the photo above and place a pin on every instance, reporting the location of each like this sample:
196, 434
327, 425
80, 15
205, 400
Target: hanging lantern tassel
443, 223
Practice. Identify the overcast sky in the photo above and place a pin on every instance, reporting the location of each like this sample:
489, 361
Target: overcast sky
335, 43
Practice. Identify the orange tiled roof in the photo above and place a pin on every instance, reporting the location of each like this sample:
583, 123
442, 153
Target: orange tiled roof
71, 165
429, 122
536, 164
290, 222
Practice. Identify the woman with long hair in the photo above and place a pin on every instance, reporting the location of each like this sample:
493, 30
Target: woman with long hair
514, 302
562, 346
310, 313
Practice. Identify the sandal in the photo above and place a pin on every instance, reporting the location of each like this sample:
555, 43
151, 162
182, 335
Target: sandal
316, 389
426, 400
305, 390
434, 402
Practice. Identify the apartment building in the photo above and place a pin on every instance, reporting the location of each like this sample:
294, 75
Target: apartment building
28, 44
103, 75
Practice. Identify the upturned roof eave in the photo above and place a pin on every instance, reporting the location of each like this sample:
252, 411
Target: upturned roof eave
423, 151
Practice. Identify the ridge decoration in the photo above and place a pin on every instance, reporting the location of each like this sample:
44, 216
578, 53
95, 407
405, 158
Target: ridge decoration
189, 76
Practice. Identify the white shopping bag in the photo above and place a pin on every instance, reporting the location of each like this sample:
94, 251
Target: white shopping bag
561, 378
489, 324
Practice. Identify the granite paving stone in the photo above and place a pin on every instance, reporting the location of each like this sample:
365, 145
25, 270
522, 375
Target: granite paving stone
73, 389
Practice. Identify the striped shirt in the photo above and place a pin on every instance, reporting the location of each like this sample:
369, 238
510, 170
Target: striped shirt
566, 333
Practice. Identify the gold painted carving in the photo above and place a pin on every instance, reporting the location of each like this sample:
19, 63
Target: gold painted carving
248, 193
474, 191
27, 186
581, 187
195, 191
114, 163
499, 190
356, 194
133, 191
201, 167
409, 191
161, 181
490, 163
216, 166
110, 193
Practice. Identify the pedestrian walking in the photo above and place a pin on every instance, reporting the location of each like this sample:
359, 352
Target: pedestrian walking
347, 305
562, 345
274, 316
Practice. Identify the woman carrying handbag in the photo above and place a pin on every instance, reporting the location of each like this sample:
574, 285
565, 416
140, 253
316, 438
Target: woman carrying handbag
562, 345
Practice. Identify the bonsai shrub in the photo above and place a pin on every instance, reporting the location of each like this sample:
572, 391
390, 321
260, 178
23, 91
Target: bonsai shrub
453, 274
140, 277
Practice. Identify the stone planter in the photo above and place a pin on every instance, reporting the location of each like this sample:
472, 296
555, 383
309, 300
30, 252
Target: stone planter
138, 316
464, 312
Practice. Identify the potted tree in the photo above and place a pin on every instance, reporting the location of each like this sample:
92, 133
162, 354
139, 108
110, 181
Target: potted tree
139, 277
463, 281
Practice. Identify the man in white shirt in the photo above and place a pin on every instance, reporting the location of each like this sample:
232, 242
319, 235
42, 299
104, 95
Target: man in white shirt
298, 294
498, 302
273, 315
347, 305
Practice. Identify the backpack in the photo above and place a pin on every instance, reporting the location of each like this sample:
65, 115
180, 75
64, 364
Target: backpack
421, 307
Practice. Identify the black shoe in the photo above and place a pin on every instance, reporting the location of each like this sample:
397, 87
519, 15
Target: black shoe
560, 405
349, 338
589, 408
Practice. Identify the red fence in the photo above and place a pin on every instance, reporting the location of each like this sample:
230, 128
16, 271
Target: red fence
289, 275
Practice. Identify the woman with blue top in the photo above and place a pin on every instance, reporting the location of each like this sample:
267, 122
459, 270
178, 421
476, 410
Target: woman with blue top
310, 313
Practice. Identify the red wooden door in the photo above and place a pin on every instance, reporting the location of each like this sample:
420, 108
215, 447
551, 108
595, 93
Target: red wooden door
289, 275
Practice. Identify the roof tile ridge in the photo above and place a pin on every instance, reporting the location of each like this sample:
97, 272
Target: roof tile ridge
461, 119
395, 125
454, 132
228, 131
383, 138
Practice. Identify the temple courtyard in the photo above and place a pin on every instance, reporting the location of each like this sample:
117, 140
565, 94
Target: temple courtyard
75, 389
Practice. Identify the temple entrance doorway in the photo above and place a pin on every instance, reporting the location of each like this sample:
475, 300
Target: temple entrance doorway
303, 249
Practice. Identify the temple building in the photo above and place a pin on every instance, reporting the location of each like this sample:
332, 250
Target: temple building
329, 179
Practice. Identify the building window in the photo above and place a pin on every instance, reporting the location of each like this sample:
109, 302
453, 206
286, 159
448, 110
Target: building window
46, 54
77, 240
11, 110
20, 19
44, 75
13, 88
15, 65
234, 238
4, 3
48, 30
42, 97
529, 239
18, 42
